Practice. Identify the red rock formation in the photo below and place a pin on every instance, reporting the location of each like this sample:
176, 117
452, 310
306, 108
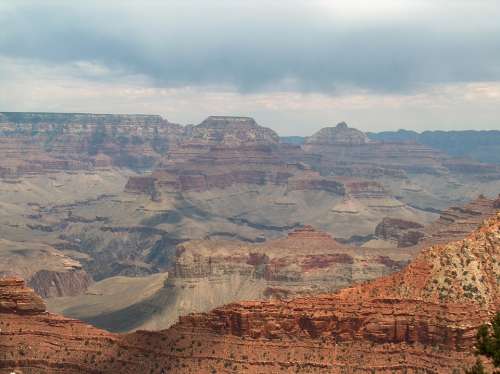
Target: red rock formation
422, 319
427, 314
16, 298
404, 233
47, 142
308, 232
456, 222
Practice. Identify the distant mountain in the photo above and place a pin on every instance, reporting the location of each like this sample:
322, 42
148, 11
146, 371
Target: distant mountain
482, 146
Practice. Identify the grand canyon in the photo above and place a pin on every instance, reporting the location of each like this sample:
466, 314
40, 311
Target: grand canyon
130, 243
249, 187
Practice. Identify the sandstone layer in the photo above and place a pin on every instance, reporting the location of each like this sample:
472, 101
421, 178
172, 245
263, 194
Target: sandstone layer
422, 319
209, 273
212, 272
115, 194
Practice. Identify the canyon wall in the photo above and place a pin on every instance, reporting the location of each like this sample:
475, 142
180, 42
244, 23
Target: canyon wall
422, 319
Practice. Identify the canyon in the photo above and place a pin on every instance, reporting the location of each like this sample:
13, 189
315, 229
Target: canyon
420, 319
212, 272
131, 223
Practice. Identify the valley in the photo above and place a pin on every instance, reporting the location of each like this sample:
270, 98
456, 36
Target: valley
93, 200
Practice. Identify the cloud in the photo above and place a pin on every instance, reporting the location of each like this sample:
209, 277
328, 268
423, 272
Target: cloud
28, 86
261, 46
294, 65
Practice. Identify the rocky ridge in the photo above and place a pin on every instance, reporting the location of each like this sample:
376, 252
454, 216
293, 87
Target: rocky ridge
47, 270
438, 301
79, 141
341, 134
16, 298
422, 319
212, 272
209, 273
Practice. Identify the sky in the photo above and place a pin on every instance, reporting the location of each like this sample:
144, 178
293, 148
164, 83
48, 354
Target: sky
294, 66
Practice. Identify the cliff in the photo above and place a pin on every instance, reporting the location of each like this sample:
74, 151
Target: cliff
338, 135
16, 298
209, 273
48, 283
80, 141
47, 270
232, 131
422, 319
483, 146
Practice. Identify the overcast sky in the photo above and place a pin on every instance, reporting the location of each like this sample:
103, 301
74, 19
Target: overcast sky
295, 66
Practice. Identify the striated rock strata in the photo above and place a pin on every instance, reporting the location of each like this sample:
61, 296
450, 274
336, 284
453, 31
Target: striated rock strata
422, 319
16, 298
404, 233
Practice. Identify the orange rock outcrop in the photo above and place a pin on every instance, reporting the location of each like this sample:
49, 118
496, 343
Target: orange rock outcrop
422, 319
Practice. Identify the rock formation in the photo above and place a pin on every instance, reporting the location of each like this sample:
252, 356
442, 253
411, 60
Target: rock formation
77, 141
210, 273
85, 196
16, 298
456, 222
404, 233
47, 270
338, 135
483, 146
48, 283
232, 131
347, 151
422, 319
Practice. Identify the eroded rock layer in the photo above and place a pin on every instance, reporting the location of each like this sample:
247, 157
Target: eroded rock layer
422, 319
425, 315
212, 272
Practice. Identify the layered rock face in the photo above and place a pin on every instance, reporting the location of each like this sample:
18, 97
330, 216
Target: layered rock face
404, 233
232, 131
347, 151
210, 273
338, 135
306, 261
225, 151
48, 271
66, 181
74, 141
453, 223
422, 319
456, 222
48, 283
16, 298
482, 146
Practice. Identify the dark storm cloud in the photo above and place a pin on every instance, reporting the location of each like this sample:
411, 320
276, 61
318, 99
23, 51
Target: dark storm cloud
261, 45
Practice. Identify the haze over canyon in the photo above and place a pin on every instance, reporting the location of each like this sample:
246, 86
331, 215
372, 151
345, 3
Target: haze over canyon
255, 187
